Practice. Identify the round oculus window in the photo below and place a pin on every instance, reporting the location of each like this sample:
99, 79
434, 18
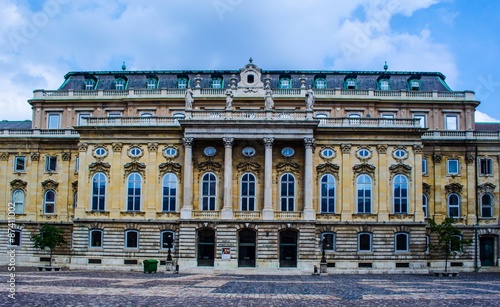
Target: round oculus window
364, 153
400, 153
209, 151
135, 152
248, 151
171, 152
327, 153
100, 151
287, 152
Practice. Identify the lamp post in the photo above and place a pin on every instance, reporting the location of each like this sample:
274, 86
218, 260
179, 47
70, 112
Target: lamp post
324, 245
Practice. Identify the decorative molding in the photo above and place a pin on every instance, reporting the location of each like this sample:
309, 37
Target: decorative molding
309, 143
453, 188
328, 168
268, 142
188, 142
346, 148
486, 188
400, 168
49, 185
248, 166
66, 156
4, 156
35, 156
426, 188
287, 167
209, 166
18, 184
117, 147
228, 142
98, 167
74, 186
134, 167
153, 147
83, 146
418, 148
437, 158
382, 148
169, 167
364, 168
135, 157
469, 158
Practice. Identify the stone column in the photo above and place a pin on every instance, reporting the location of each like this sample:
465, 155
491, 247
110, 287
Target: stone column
227, 210
347, 189
439, 211
309, 213
384, 196
418, 186
187, 205
268, 212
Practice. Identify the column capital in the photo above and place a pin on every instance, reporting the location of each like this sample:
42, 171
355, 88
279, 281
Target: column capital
346, 148
309, 142
268, 142
228, 142
188, 142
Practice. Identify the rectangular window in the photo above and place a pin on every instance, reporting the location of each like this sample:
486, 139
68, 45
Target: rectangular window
20, 164
81, 116
182, 83
89, 85
451, 122
401, 242
216, 83
15, 237
96, 238
320, 84
415, 85
54, 121
486, 166
131, 239
328, 241
77, 164
424, 166
50, 164
364, 242
422, 118
285, 83
452, 167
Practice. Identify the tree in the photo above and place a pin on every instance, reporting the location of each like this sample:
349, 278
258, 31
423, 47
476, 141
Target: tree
49, 237
449, 239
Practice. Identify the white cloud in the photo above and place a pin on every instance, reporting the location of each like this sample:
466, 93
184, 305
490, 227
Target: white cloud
482, 117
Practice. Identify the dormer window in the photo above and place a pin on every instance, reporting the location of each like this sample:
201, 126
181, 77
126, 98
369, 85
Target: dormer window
119, 84
320, 83
151, 84
383, 85
182, 83
216, 83
350, 84
414, 85
285, 83
89, 84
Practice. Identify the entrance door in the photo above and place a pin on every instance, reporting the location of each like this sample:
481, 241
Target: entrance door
206, 247
288, 249
246, 248
486, 253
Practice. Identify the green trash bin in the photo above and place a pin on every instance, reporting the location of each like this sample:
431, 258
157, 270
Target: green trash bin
150, 265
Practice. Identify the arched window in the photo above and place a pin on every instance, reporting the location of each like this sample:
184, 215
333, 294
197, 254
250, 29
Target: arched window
287, 198
98, 192
18, 201
454, 205
134, 191
131, 239
95, 238
401, 242
487, 205
49, 202
151, 84
169, 188
425, 205
208, 191
364, 194
320, 83
15, 237
400, 194
328, 194
364, 242
327, 242
350, 84
248, 192
383, 85
165, 237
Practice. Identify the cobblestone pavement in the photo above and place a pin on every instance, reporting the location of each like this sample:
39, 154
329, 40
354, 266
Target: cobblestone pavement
104, 288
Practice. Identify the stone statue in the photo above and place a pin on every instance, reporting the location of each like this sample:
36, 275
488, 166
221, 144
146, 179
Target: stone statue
229, 99
310, 98
269, 101
189, 98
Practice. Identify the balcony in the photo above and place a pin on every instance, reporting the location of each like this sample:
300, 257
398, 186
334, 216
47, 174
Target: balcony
209, 215
37, 133
460, 135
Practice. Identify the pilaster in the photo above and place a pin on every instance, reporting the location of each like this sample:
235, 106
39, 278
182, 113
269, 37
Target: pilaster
347, 184
227, 210
384, 200
268, 212
187, 205
309, 213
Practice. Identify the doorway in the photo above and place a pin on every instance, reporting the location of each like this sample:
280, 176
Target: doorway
288, 249
206, 247
486, 251
246, 248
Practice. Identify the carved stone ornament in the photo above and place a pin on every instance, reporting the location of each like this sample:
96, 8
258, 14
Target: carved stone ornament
83, 146
346, 148
453, 188
18, 184
400, 168
248, 166
74, 186
437, 158
469, 158
382, 148
66, 156
268, 142
117, 147
137, 156
418, 148
49, 185
364, 168
35, 156
169, 167
486, 188
134, 167
209, 166
4, 156
99, 167
188, 142
309, 142
287, 167
426, 188
228, 142
328, 168
153, 146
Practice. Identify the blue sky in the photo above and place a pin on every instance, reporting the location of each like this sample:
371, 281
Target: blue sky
43, 40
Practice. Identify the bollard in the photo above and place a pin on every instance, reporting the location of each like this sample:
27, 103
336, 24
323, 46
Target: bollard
176, 269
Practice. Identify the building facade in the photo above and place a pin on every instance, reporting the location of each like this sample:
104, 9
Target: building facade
252, 169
